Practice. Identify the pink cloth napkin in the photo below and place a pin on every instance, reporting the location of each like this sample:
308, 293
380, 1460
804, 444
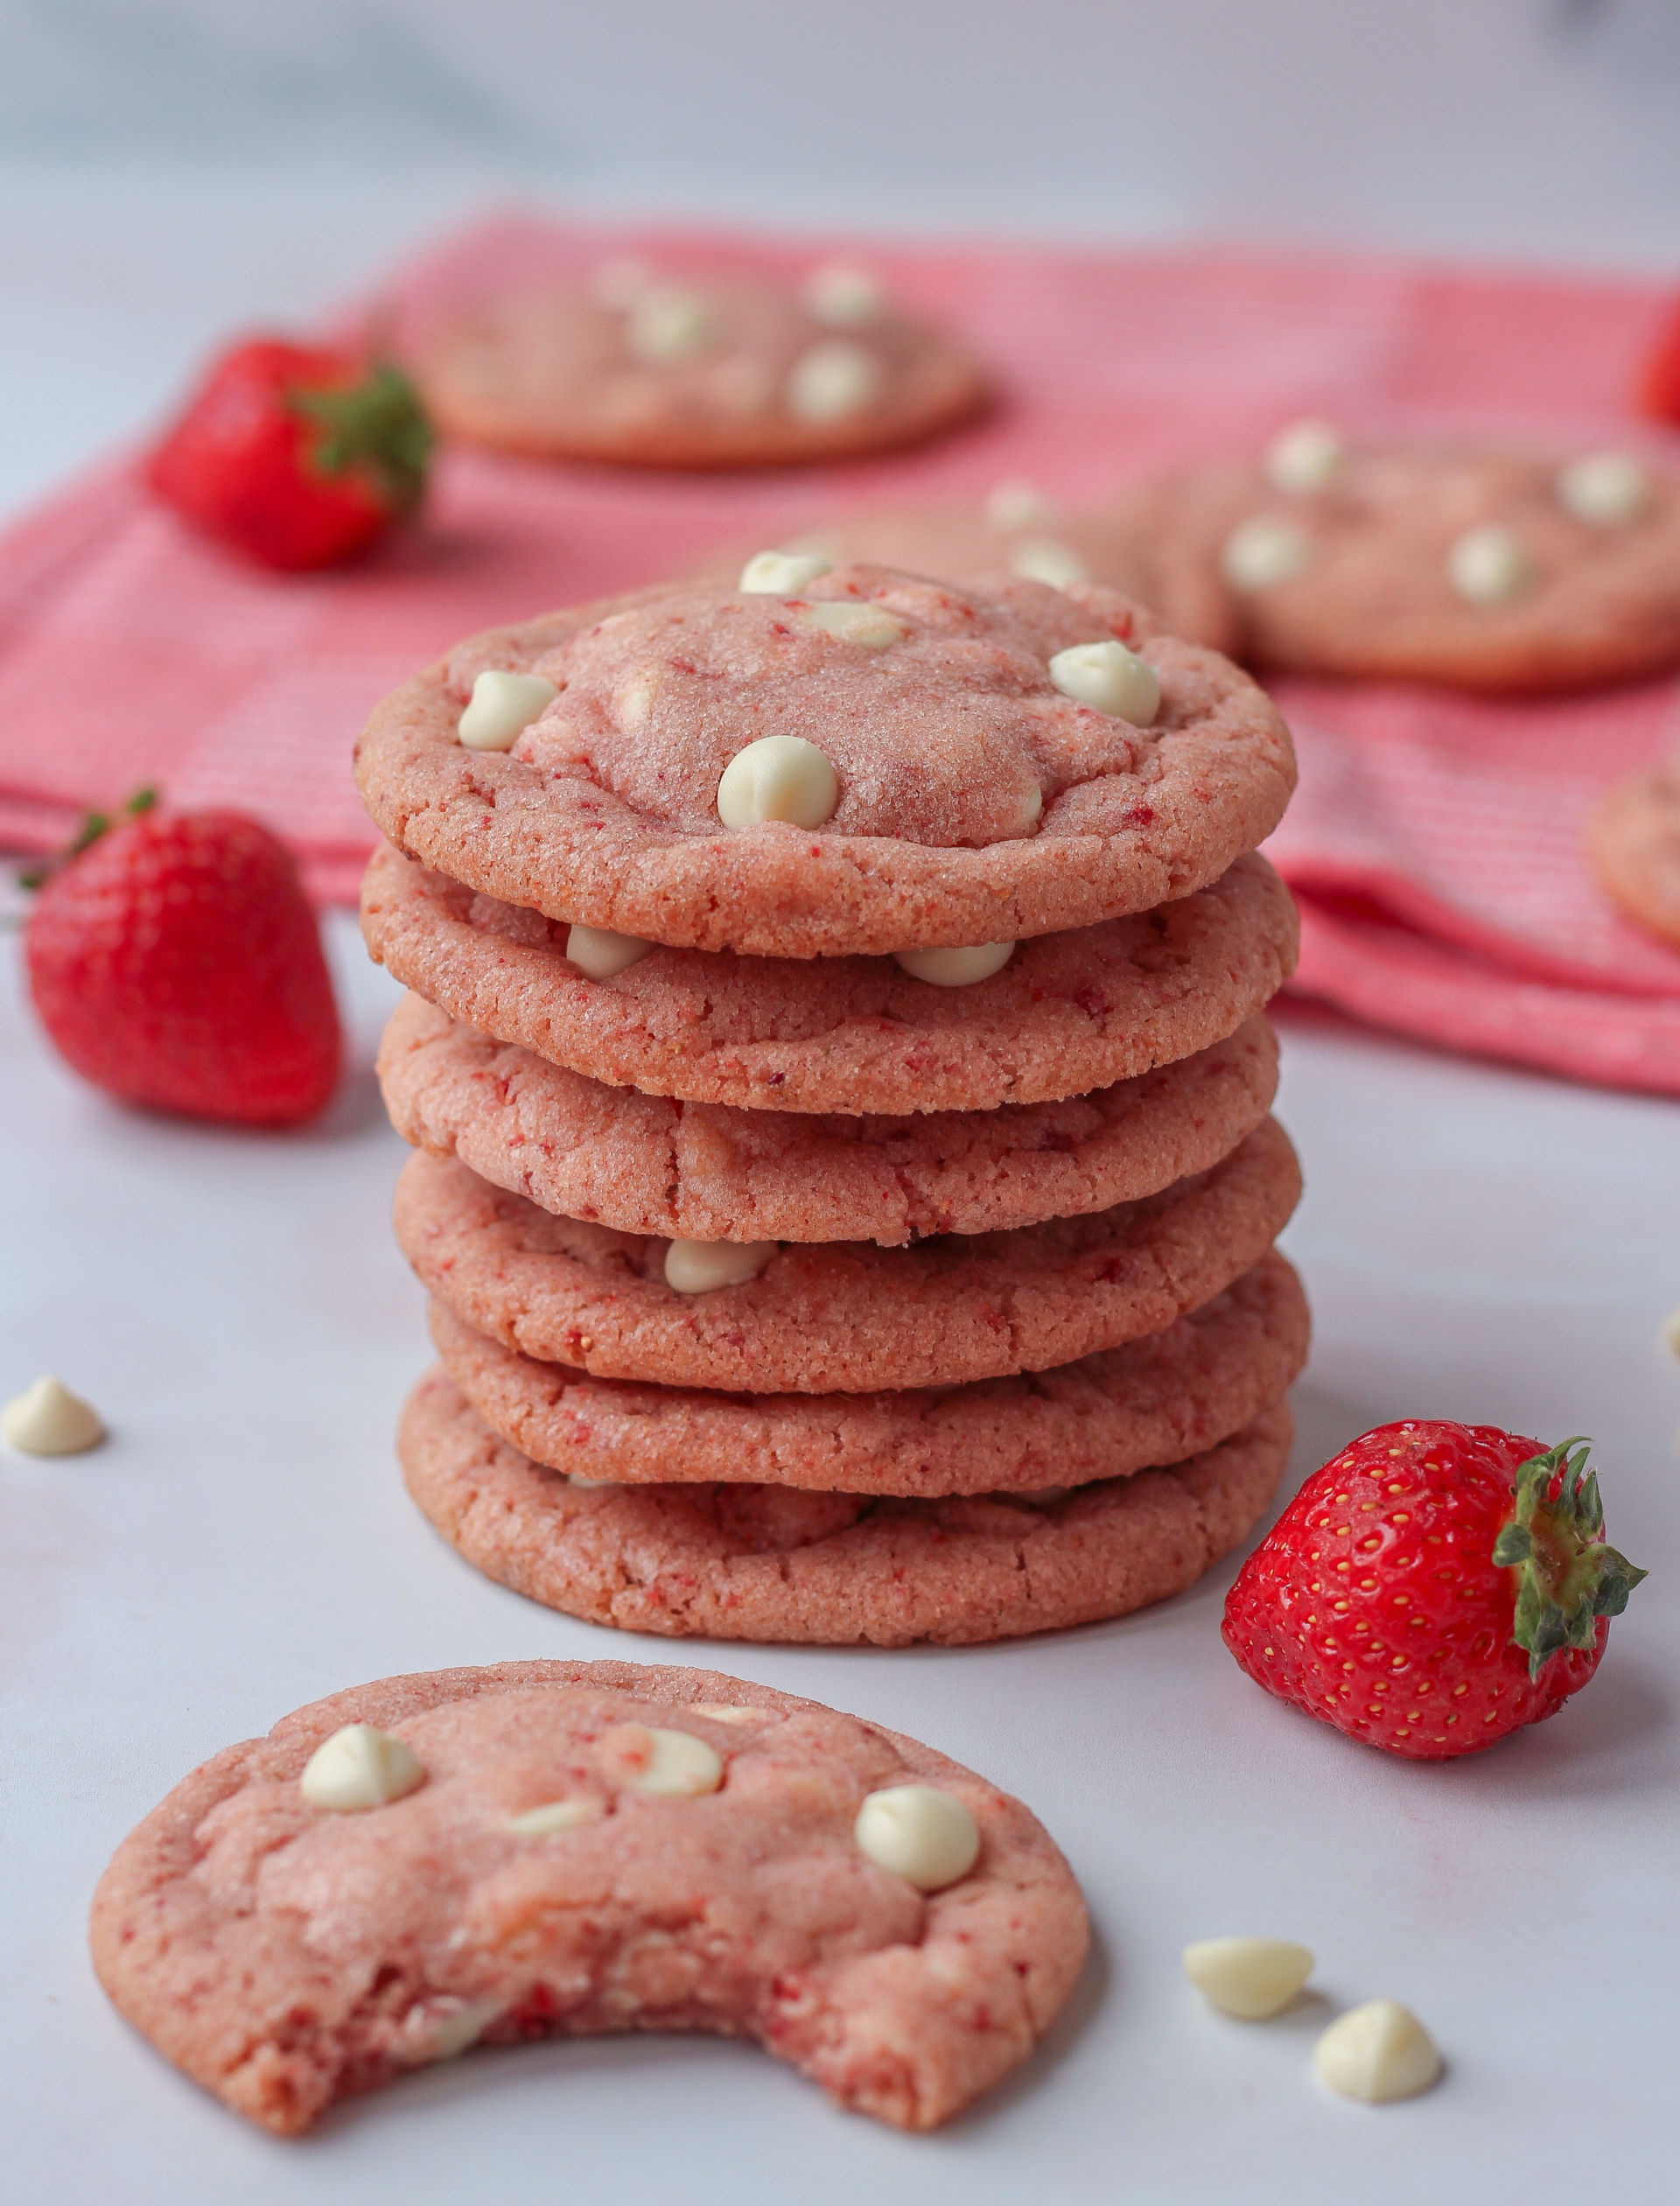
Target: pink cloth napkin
1436, 841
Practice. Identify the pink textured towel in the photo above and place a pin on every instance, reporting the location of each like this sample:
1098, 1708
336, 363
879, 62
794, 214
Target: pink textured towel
1435, 843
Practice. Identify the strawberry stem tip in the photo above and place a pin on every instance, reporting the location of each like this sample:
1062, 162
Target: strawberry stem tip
377, 424
92, 826
1566, 1576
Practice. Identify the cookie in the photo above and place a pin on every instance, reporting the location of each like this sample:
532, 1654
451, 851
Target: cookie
931, 779
845, 1317
764, 1563
1068, 1013
1634, 841
706, 1172
1150, 1400
1482, 570
694, 373
586, 1847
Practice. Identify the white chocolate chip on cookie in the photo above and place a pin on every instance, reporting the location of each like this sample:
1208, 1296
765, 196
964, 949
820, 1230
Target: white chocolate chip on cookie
872, 627
665, 323
50, 1421
502, 707
599, 953
924, 1834
781, 574
1378, 2051
1044, 559
1248, 1977
831, 380
696, 1267
553, 1815
955, 968
1110, 678
843, 295
780, 777
1606, 489
1015, 503
1487, 565
646, 1758
1305, 457
1263, 551
359, 1767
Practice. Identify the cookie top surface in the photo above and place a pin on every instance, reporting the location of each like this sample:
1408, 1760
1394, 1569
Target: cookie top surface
692, 374
842, 1317
285, 1953
1484, 570
707, 1171
1634, 841
1149, 1402
1068, 1013
969, 799
769, 1563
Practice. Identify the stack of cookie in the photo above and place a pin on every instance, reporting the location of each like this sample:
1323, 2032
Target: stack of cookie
836, 1059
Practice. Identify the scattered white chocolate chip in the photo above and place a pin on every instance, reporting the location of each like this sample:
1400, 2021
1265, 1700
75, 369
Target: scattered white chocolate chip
926, 1836
359, 1767
50, 1421
1043, 559
502, 707
672, 1762
1377, 2051
1250, 1977
844, 295
664, 323
872, 627
780, 777
1015, 503
696, 1267
1606, 488
1305, 457
1263, 551
599, 953
1487, 565
955, 968
1671, 1333
831, 380
553, 1815
781, 574
1110, 678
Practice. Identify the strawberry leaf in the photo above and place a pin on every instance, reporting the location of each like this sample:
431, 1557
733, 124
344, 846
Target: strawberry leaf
1566, 1576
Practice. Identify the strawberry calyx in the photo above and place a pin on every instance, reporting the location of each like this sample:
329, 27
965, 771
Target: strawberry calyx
1566, 1577
376, 424
92, 826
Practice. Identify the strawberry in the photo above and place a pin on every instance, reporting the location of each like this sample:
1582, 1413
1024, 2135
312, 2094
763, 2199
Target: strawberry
176, 962
1432, 1588
298, 456
1659, 393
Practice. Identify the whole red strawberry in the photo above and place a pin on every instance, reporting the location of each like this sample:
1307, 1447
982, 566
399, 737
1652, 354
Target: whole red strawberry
1659, 393
1432, 1588
298, 456
177, 963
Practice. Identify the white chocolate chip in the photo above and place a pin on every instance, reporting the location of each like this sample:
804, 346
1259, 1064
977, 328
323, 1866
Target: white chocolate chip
502, 707
1110, 678
449, 2034
728, 1712
359, 1767
1015, 503
665, 323
1671, 1333
1263, 551
696, 1267
833, 379
1607, 489
955, 968
1031, 806
926, 1836
1043, 559
672, 1763
1305, 457
780, 777
50, 1421
1250, 1977
635, 700
872, 627
781, 574
1487, 565
1377, 2051
843, 295
599, 953
552, 1816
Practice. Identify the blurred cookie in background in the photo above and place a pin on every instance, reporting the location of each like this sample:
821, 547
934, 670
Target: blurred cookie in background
650, 370
1632, 839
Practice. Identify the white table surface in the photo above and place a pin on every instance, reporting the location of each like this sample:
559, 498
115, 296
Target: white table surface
1477, 1243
